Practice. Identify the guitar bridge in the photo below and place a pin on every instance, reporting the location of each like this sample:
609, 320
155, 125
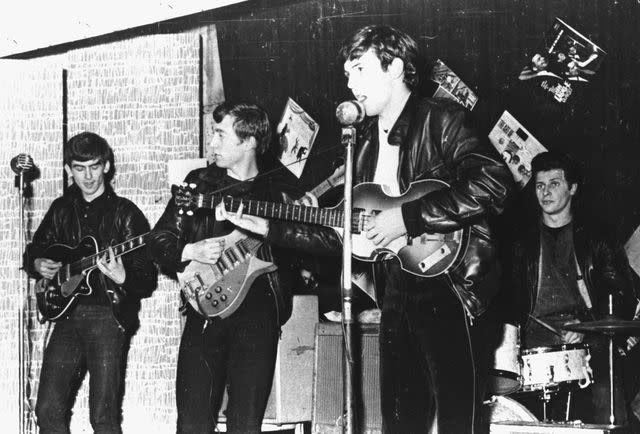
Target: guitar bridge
434, 258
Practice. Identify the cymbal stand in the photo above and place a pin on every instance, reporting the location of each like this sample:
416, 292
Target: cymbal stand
612, 417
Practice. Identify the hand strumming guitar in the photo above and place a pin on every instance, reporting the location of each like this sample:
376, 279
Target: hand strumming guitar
46, 267
207, 251
385, 226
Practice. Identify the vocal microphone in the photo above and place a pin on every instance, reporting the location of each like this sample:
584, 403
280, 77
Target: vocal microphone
350, 112
21, 163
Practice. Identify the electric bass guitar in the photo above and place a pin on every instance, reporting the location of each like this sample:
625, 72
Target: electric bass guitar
55, 297
427, 255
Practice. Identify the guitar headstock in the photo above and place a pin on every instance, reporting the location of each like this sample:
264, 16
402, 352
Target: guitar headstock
184, 197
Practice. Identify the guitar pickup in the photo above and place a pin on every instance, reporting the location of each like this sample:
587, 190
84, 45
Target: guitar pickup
434, 258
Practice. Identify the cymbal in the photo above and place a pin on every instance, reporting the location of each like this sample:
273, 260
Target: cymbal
608, 326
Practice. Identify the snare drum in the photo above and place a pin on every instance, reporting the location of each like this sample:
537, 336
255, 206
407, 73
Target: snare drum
504, 377
546, 368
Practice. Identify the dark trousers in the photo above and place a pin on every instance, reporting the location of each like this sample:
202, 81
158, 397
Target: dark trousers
88, 341
239, 353
433, 364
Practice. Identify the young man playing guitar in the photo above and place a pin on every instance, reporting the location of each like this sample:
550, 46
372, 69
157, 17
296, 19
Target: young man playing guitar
102, 311
434, 331
235, 352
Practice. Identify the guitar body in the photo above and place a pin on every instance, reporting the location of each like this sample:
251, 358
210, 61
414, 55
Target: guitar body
427, 255
218, 290
57, 296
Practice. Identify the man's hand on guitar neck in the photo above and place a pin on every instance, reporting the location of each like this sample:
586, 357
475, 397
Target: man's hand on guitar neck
46, 267
207, 251
257, 225
385, 226
112, 267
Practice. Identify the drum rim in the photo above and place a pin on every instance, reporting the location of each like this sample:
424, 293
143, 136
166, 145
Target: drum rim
506, 374
554, 348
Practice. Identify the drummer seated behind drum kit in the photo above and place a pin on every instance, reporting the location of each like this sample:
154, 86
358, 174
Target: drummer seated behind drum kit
565, 277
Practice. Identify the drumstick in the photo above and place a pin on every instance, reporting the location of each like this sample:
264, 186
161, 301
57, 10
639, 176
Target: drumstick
545, 325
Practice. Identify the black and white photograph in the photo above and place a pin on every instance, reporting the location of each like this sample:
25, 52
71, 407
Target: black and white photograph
320, 217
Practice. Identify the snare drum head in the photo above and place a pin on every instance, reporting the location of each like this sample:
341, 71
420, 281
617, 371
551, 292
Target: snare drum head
505, 409
554, 348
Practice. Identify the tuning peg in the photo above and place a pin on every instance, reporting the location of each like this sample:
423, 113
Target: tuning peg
192, 185
189, 213
180, 211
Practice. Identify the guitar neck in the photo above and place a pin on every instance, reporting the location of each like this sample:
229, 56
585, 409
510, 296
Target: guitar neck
88, 263
332, 217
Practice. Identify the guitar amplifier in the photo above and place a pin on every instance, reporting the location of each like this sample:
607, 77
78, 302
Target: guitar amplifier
328, 380
290, 399
553, 428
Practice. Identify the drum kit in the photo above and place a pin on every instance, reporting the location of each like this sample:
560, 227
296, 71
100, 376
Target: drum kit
545, 370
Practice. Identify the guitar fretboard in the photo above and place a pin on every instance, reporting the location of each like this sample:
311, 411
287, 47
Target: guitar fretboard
88, 263
332, 217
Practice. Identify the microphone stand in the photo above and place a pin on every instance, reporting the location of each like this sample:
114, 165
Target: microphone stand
349, 423
21, 322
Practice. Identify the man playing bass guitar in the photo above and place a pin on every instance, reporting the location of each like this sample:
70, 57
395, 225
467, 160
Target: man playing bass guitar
434, 331
101, 313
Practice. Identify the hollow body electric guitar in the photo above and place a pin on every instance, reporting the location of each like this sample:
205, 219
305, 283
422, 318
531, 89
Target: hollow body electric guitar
427, 255
55, 297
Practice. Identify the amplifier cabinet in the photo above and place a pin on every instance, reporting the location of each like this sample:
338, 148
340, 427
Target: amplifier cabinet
290, 400
328, 379
553, 428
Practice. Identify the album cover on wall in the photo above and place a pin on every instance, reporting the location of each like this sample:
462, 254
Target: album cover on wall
516, 145
564, 59
451, 87
296, 133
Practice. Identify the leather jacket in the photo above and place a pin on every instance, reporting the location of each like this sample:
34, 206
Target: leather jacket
176, 228
436, 142
122, 221
603, 266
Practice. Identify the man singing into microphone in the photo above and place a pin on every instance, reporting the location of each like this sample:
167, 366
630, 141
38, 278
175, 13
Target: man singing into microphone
434, 331
94, 335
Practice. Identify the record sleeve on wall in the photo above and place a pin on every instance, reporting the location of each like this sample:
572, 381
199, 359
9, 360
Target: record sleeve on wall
516, 145
296, 133
450, 86
564, 60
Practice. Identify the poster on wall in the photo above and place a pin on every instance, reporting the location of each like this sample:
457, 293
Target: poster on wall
450, 86
516, 145
564, 60
296, 133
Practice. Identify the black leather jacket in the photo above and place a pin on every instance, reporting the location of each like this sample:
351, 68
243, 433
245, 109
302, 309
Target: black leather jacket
174, 231
603, 264
122, 221
436, 142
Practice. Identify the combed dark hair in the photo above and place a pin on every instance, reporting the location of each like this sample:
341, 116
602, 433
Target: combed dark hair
249, 120
552, 160
89, 146
387, 43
